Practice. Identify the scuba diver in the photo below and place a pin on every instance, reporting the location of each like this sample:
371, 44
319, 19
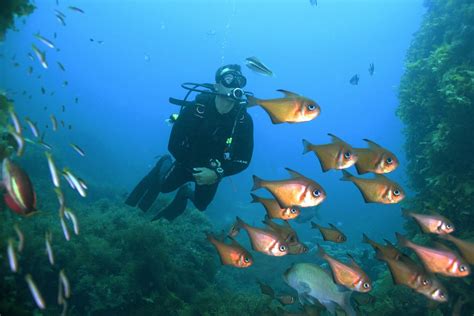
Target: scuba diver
211, 138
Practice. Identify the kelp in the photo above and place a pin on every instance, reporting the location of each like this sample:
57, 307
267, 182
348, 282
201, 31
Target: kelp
436, 106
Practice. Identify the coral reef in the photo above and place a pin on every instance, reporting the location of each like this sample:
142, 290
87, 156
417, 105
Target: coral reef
11, 8
436, 105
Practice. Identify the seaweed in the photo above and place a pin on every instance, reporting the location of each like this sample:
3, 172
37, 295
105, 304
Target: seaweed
11, 8
436, 106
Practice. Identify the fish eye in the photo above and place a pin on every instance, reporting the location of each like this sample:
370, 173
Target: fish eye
282, 248
246, 260
316, 193
462, 268
442, 295
305, 249
293, 211
311, 107
396, 192
347, 155
342, 238
448, 226
425, 282
389, 160
366, 285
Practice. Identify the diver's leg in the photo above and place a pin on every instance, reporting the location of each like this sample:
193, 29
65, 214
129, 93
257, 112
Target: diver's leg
151, 180
203, 195
156, 185
175, 179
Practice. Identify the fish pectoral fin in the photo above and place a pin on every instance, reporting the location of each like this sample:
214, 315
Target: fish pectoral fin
288, 94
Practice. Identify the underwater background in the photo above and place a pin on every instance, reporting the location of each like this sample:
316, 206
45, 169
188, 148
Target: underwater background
124, 59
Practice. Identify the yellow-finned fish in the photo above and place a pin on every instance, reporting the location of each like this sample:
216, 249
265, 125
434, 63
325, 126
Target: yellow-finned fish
351, 276
285, 231
465, 247
336, 155
292, 108
432, 223
388, 251
375, 159
297, 191
415, 277
437, 260
264, 240
330, 234
233, 254
377, 190
274, 210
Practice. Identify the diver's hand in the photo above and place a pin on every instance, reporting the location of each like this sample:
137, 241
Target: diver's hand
204, 176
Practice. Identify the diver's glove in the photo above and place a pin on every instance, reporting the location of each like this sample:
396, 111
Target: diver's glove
215, 165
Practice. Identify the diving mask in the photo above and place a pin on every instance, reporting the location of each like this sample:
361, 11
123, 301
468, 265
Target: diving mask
232, 79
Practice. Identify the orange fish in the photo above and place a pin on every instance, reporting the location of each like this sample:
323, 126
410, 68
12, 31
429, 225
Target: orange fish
274, 210
297, 191
351, 276
414, 277
440, 261
336, 155
375, 159
233, 254
292, 108
378, 190
388, 251
264, 241
285, 231
465, 247
431, 223
330, 234
297, 248
20, 195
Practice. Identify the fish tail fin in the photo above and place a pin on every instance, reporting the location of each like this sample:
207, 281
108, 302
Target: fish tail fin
210, 236
266, 219
321, 252
255, 198
306, 146
379, 255
406, 212
252, 101
402, 241
346, 176
257, 183
239, 223
366, 239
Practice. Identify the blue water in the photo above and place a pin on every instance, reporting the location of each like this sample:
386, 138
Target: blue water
150, 47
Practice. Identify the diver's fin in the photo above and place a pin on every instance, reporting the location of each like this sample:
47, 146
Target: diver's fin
177, 206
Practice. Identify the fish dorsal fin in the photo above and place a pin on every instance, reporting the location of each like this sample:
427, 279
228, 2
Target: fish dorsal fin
288, 94
254, 59
336, 139
334, 227
353, 263
372, 144
294, 174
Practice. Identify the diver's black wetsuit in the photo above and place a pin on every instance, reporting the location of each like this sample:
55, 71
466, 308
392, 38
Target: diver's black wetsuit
200, 134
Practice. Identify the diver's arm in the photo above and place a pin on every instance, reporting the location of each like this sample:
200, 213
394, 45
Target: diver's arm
181, 134
242, 149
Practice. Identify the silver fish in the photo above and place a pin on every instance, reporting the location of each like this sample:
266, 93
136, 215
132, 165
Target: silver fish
44, 40
35, 292
256, 65
41, 56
